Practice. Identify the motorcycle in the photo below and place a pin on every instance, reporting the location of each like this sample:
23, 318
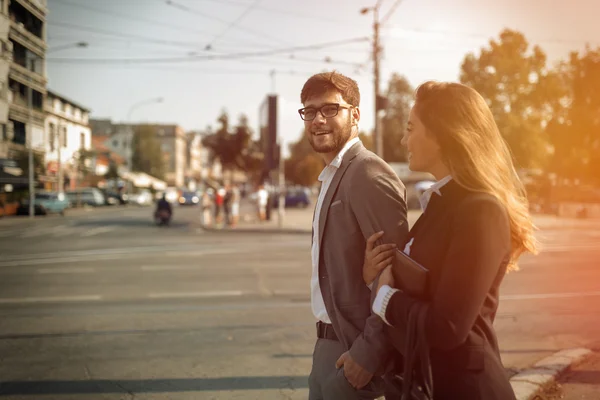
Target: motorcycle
162, 217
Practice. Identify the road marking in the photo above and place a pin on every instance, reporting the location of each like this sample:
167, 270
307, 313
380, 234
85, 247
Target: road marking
215, 293
96, 231
167, 267
16, 300
65, 270
548, 295
46, 231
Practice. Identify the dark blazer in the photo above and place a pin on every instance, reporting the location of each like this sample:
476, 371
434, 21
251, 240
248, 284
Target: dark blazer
365, 196
463, 238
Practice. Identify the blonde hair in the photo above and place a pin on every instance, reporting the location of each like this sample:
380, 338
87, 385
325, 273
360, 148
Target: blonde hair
476, 154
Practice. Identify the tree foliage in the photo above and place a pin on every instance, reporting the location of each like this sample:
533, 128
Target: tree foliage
574, 130
304, 165
400, 95
515, 82
233, 146
147, 153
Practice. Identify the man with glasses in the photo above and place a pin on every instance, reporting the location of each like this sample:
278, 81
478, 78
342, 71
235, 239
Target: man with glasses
360, 195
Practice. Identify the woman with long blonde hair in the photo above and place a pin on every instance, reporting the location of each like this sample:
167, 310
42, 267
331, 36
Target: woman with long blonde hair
474, 227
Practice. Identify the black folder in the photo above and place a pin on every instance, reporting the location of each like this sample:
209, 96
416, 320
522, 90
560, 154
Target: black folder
410, 276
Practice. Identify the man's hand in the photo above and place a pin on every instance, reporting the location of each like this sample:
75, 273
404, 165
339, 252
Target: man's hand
357, 376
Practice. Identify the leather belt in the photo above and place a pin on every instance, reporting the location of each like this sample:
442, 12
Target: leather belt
325, 331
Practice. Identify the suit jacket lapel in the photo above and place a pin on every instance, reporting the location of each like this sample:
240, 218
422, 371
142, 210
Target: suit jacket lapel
348, 157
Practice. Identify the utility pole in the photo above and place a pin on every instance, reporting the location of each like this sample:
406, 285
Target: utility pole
29, 141
376, 53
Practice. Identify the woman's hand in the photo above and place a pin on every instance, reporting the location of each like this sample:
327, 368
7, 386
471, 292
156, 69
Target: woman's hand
386, 278
376, 257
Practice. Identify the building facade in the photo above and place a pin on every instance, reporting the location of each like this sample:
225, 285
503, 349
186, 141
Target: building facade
26, 74
172, 140
68, 139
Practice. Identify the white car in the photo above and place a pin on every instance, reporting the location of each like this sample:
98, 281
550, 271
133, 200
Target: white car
143, 198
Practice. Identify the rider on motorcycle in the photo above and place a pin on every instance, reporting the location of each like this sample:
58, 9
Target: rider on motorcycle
163, 209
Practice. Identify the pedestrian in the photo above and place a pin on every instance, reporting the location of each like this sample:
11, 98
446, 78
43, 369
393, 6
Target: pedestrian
206, 206
219, 197
360, 195
227, 204
474, 227
235, 205
262, 198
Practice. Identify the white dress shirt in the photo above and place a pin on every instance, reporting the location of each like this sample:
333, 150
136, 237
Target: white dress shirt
385, 292
326, 176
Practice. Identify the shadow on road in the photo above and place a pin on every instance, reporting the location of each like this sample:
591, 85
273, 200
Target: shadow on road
152, 385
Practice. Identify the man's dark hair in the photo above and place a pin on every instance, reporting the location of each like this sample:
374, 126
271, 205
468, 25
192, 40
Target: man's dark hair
319, 84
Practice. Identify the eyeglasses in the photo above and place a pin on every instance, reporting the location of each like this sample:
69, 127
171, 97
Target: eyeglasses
328, 110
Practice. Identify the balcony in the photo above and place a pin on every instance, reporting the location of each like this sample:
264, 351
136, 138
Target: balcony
19, 111
19, 34
27, 77
36, 7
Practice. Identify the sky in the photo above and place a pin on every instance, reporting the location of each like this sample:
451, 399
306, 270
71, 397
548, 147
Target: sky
139, 50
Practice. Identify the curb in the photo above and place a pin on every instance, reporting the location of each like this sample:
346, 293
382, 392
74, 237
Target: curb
530, 382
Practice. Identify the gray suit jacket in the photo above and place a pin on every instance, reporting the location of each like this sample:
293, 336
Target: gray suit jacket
365, 197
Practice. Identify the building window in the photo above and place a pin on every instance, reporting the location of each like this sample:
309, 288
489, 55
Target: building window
82, 140
64, 137
115, 144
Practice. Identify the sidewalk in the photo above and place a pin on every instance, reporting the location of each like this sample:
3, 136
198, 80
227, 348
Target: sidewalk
298, 220
581, 381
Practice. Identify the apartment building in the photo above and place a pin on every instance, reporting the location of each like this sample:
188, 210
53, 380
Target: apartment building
26, 74
68, 135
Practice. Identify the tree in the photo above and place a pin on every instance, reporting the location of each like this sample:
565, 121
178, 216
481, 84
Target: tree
234, 148
147, 154
39, 168
304, 165
575, 131
515, 82
113, 171
367, 140
400, 97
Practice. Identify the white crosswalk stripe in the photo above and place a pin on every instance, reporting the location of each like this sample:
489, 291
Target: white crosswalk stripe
58, 231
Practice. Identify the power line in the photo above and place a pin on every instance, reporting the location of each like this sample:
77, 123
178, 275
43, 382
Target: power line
134, 18
231, 56
295, 14
390, 12
234, 23
483, 36
214, 18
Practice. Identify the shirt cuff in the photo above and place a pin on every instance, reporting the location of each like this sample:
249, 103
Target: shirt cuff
382, 300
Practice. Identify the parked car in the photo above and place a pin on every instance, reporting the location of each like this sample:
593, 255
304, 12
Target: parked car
142, 198
295, 197
88, 196
45, 203
112, 198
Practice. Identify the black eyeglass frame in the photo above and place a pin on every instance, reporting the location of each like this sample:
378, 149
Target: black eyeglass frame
320, 110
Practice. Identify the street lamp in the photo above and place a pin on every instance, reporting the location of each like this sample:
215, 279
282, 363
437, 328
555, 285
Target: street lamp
67, 46
137, 105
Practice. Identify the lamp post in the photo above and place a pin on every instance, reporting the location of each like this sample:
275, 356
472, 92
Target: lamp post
59, 133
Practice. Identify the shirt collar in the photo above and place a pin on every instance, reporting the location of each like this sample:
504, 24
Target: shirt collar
337, 161
435, 188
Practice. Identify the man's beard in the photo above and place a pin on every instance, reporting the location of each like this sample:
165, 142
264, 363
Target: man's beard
339, 136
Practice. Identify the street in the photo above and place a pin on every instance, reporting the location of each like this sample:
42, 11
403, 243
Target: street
105, 305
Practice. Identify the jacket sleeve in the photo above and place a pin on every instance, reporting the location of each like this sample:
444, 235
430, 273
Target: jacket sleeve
378, 203
478, 251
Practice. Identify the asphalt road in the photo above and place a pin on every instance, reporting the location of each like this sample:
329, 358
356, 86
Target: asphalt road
105, 305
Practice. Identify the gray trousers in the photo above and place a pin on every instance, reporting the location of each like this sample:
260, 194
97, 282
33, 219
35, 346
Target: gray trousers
326, 382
